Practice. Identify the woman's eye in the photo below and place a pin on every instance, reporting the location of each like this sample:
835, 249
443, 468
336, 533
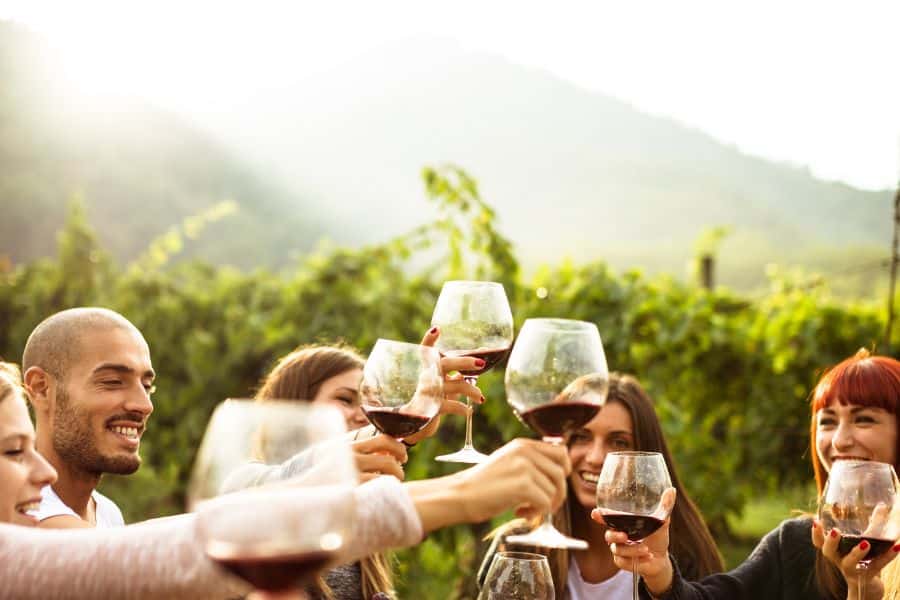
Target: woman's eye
621, 443
579, 438
14, 453
345, 400
826, 423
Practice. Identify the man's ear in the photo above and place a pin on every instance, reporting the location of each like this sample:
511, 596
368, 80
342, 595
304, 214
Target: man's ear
40, 387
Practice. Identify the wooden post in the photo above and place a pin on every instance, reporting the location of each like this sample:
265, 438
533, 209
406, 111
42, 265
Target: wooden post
894, 260
707, 271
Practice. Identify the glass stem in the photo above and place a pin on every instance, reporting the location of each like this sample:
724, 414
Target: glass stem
469, 444
861, 580
634, 572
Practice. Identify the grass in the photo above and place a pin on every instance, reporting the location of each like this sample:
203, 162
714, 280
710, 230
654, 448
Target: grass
761, 516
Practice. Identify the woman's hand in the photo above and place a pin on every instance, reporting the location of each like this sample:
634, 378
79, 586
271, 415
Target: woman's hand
528, 475
652, 553
847, 565
379, 455
454, 387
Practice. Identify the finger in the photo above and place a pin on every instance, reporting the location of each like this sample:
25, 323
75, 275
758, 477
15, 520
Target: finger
458, 387
830, 546
597, 516
611, 536
453, 407
817, 534
856, 554
364, 477
431, 337
879, 563
630, 551
461, 363
383, 444
379, 463
667, 503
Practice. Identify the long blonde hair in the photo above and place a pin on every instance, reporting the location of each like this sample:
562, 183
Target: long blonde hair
298, 376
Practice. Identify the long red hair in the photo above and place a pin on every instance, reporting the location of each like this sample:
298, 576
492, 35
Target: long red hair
862, 380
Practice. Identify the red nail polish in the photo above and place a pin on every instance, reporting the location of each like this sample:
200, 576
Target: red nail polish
433, 330
833, 533
482, 398
479, 362
896, 548
864, 545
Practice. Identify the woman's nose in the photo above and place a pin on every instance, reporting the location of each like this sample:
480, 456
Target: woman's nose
843, 437
42, 472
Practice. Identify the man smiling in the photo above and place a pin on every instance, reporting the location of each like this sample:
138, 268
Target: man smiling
89, 378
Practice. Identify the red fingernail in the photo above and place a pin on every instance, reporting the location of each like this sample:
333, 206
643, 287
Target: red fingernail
482, 398
433, 330
833, 533
896, 548
864, 545
479, 362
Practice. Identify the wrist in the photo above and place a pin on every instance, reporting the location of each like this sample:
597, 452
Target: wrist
660, 584
438, 502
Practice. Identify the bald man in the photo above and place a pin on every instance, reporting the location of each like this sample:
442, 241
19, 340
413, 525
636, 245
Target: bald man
89, 378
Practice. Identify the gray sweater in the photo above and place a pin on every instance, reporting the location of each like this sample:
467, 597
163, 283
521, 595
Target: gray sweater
781, 567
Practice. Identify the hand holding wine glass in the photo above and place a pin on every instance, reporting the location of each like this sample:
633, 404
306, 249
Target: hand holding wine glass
635, 497
859, 515
280, 550
402, 387
518, 576
475, 321
546, 385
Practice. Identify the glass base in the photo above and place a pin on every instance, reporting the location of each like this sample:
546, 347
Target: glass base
547, 536
468, 455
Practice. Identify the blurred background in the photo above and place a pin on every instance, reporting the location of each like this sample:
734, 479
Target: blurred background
712, 185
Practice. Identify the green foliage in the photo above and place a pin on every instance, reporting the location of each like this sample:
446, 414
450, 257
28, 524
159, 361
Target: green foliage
730, 376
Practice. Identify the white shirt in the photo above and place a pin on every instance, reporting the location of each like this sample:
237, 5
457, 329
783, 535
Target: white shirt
107, 513
617, 587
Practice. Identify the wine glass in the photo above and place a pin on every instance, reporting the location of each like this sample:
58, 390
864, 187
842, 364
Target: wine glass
518, 576
475, 321
270, 543
402, 387
546, 386
860, 501
635, 496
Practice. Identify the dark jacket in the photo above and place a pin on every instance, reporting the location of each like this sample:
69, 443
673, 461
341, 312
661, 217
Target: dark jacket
781, 567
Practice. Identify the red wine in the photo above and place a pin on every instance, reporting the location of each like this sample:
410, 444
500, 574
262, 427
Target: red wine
273, 573
555, 420
877, 546
490, 357
395, 423
637, 527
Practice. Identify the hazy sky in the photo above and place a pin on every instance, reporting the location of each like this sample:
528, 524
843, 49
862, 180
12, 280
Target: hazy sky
812, 83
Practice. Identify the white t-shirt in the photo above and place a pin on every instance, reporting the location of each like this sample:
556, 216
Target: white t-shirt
617, 587
108, 514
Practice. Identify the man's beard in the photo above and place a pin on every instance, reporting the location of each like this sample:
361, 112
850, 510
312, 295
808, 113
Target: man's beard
73, 441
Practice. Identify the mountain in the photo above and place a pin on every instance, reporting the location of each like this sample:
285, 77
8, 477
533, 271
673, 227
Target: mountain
139, 170
571, 172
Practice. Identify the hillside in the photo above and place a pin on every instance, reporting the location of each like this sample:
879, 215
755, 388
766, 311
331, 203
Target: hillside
571, 172
139, 171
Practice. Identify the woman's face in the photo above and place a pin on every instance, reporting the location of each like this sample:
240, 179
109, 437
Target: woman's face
342, 391
855, 432
610, 431
23, 472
